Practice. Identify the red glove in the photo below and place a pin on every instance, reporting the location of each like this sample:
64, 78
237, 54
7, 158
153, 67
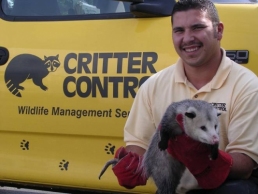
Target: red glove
194, 155
128, 170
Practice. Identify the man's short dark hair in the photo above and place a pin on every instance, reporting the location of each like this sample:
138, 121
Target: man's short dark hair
203, 5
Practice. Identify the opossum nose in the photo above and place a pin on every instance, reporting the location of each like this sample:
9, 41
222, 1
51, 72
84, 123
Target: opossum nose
215, 139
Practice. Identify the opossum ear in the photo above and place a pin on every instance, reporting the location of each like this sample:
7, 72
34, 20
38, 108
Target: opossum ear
179, 120
190, 113
218, 113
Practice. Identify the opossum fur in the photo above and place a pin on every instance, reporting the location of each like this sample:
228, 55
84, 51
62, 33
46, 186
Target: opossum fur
200, 121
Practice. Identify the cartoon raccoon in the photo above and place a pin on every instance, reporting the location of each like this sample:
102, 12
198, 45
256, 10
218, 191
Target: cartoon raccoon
27, 66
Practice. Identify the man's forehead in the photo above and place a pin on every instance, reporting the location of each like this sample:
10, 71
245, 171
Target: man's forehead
191, 16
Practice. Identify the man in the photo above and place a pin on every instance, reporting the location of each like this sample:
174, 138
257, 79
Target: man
202, 72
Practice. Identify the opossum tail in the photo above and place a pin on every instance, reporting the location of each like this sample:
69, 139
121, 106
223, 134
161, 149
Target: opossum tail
13, 89
113, 162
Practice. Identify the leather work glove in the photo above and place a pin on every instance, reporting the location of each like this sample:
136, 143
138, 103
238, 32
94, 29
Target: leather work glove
195, 156
128, 170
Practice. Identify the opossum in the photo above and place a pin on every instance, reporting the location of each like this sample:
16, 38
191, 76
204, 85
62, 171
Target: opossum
200, 121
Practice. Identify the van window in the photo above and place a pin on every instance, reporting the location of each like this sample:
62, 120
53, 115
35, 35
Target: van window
62, 7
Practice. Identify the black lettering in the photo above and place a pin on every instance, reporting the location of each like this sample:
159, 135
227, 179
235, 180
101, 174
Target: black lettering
83, 80
105, 57
102, 88
120, 57
92, 113
115, 81
120, 113
84, 60
68, 80
55, 110
148, 64
130, 84
66, 63
78, 114
95, 63
21, 109
107, 113
99, 113
142, 80
85, 86
134, 62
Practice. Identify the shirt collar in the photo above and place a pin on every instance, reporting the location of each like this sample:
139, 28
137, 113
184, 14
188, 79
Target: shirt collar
216, 82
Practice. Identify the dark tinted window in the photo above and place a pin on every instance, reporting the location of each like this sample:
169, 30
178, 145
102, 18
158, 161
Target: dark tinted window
62, 7
235, 1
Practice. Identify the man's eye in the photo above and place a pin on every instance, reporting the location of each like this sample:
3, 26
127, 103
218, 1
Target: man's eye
198, 27
178, 31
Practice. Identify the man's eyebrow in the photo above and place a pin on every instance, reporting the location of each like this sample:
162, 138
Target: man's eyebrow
192, 26
177, 28
198, 24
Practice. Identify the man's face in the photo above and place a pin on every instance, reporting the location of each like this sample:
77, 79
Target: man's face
195, 39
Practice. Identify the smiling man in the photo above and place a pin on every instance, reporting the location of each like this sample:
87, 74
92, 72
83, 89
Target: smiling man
196, 39
202, 72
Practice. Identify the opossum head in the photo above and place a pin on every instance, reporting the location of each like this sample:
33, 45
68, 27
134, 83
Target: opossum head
202, 124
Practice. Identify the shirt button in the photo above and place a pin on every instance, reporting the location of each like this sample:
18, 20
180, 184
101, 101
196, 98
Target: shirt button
196, 96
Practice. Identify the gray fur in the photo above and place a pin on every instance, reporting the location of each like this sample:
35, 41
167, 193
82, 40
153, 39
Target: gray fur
157, 163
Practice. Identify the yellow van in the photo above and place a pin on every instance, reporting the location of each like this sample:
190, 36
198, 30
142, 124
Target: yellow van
69, 71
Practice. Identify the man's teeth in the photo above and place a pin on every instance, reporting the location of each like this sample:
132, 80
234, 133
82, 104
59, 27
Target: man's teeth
191, 49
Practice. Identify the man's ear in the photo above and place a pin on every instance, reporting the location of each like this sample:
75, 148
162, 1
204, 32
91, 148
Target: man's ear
220, 29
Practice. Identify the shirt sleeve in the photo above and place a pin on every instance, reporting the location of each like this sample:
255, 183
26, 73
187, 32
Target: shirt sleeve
140, 125
243, 127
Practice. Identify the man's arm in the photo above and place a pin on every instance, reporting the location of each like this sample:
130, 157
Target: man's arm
242, 166
128, 170
135, 149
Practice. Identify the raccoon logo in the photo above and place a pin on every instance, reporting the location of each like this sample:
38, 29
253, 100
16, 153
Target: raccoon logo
27, 66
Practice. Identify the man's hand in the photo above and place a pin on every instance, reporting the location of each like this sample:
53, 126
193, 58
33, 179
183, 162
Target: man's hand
128, 170
196, 157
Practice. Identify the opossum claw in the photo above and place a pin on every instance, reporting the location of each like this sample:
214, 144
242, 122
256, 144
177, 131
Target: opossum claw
163, 145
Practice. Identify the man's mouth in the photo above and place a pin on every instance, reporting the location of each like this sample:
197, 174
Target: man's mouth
191, 48
188, 50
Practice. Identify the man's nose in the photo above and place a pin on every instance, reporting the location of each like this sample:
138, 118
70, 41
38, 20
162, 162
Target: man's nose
188, 36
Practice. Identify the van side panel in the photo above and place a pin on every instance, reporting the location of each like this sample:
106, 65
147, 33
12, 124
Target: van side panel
76, 81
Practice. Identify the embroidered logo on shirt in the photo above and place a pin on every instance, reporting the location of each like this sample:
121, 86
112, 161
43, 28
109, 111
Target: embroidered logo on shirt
219, 106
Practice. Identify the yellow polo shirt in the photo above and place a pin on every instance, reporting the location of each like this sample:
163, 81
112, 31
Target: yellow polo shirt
233, 90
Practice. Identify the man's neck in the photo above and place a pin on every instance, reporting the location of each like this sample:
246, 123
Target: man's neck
201, 75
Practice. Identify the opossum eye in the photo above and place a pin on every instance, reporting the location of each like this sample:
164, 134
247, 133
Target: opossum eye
203, 128
215, 126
